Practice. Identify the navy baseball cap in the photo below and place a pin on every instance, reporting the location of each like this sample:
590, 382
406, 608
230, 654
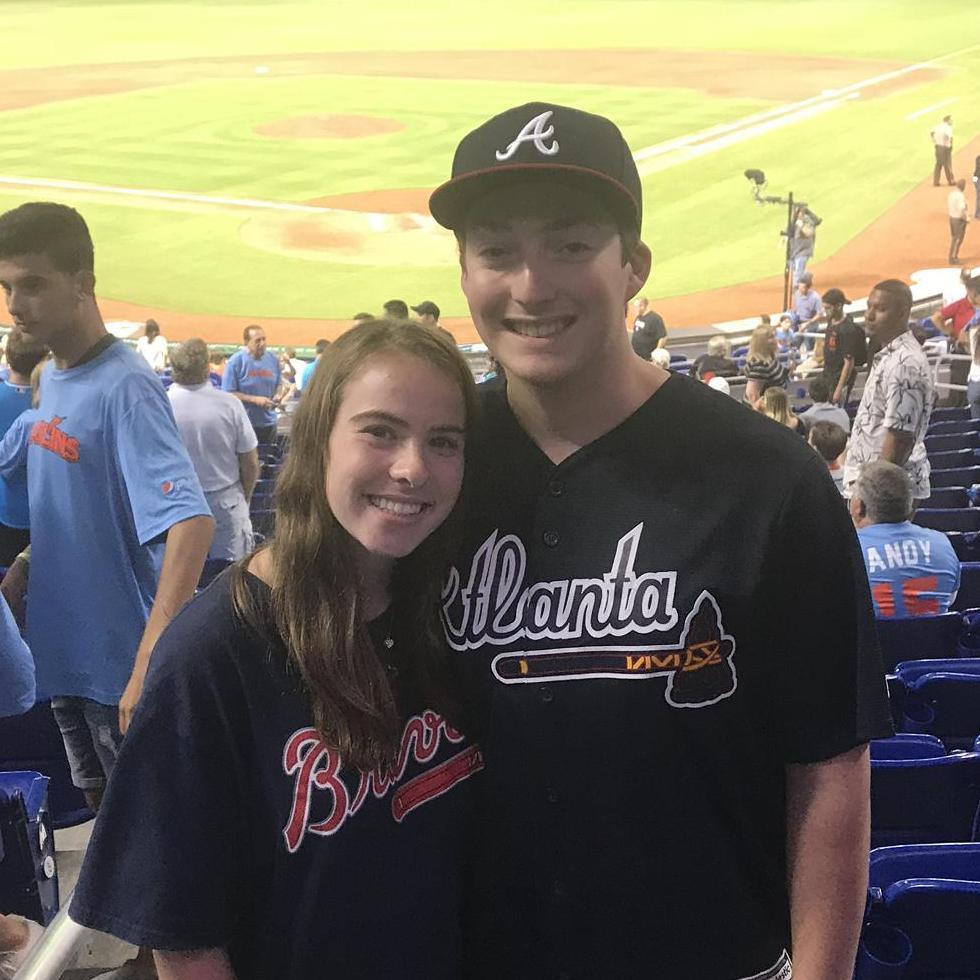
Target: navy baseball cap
540, 140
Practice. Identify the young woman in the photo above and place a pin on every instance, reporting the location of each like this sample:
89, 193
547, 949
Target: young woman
290, 801
775, 404
762, 367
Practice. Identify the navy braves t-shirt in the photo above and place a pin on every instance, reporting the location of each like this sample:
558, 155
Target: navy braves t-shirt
630, 627
229, 822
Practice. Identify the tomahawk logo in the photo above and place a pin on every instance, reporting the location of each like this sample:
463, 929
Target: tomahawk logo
603, 623
536, 133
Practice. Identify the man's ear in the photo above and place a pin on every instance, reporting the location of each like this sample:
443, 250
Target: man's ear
85, 284
638, 265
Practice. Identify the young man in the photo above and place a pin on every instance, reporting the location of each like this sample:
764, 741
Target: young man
823, 409
942, 141
254, 377
893, 416
845, 348
677, 774
649, 329
119, 526
913, 570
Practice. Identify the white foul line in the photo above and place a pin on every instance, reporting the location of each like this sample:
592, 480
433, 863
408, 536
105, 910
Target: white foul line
930, 108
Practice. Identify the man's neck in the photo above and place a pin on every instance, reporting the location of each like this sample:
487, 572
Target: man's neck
563, 418
886, 339
19, 379
71, 345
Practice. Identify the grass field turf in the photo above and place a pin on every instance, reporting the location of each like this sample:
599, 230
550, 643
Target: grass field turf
850, 163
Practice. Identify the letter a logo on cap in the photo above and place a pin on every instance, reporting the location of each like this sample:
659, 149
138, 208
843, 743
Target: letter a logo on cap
533, 132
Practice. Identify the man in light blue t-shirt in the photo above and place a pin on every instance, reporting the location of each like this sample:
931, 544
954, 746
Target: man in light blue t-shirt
119, 525
913, 571
253, 376
310, 369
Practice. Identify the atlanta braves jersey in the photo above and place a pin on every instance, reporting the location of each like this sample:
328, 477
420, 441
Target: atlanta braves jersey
243, 829
628, 628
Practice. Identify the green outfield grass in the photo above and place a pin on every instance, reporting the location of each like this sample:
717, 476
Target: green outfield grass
851, 164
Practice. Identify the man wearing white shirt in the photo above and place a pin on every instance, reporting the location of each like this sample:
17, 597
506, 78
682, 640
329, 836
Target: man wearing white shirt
959, 215
942, 139
221, 443
153, 346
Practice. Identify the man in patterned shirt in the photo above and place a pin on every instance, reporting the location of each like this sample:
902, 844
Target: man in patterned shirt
894, 412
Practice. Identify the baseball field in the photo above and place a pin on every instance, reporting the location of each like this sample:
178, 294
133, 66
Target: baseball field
271, 161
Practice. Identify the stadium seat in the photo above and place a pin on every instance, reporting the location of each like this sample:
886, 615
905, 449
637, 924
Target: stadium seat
896, 698
968, 596
966, 545
950, 414
951, 427
28, 873
922, 913
263, 522
918, 638
32, 741
946, 498
946, 704
922, 801
951, 460
958, 440
906, 746
960, 519
964, 476
680, 367
911, 670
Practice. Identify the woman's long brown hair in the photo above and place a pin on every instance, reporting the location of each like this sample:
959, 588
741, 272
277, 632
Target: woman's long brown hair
317, 609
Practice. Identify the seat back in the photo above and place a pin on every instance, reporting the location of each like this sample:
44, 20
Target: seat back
955, 440
968, 595
945, 498
907, 747
964, 476
918, 637
951, 459
944, 704
920, 801
960, 519
957, 413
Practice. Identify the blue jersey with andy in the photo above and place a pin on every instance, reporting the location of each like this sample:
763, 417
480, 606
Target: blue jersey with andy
14, 400
107, 477
254, 377
913, 571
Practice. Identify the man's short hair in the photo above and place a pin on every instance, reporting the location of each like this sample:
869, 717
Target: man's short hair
322, 344
247, 332
190, 362
358, 317
24, 353
898, 289
820, 389
886, 492
828, 439
53, 230
397, 309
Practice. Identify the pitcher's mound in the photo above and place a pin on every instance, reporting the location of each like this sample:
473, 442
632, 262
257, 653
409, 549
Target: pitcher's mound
328, 127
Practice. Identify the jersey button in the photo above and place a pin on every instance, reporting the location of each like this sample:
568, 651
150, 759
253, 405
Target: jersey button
547, 695
551, 795
551, 538
556, 488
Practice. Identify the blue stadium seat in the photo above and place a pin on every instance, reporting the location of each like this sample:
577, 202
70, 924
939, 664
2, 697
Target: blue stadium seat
930, 895
919, 637
968, 596
923, 801
266, 486
28, 873
946, 498
952, 459
32, 741
263, 522
896, 698
950, 427
962, 476
950, 414
960, 519
911, 670
908, 747
965, 544
944, 703
957, 440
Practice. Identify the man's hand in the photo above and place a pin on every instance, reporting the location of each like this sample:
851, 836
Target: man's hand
130, 698
264, 402
14, 587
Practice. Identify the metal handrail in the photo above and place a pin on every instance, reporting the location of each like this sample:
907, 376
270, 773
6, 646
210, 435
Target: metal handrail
55, 951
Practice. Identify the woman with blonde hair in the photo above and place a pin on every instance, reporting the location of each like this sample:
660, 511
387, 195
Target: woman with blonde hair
762, 367
775, 403
293, 791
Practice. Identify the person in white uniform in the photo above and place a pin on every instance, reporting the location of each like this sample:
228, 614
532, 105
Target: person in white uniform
222, 445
